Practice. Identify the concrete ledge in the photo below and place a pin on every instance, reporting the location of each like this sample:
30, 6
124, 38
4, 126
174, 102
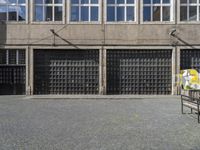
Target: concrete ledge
121, 97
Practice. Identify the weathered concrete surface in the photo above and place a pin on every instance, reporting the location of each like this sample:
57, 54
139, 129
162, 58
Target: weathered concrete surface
126, 124
96, 34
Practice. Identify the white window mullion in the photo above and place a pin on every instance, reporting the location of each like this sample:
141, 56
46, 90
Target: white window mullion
79, 10
89, 11
188, 11
172, 13
7, 14
197, 10
115, 10
43, 6
161, 12
17, 10
125, 11
151, 10
53, 6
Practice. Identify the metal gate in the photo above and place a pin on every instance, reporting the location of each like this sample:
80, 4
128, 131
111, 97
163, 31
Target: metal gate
190, 59
12, 72
139, 72
66, 71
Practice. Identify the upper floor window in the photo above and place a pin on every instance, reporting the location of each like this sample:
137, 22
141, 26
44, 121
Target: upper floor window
85, 10
48, 10
120, 10
189, 10
157, 10
12, 10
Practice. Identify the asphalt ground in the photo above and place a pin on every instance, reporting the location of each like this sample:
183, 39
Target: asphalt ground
102, 123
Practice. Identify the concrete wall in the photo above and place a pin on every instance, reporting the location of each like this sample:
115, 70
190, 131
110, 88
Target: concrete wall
94, 34
102, 37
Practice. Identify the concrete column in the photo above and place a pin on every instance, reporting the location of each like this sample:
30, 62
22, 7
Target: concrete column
27, 72
102, 71
174, 64
31, 71
178, 70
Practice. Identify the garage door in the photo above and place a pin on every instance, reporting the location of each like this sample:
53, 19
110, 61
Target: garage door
139, 72
66, 71
190, 59
12, 72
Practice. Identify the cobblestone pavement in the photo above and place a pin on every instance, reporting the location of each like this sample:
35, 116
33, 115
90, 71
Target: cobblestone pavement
153, 123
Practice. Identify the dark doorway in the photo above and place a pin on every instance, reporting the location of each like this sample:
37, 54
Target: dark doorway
139, 72
66, 71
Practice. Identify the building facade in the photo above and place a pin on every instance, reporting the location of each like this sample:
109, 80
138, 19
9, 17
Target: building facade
97, 46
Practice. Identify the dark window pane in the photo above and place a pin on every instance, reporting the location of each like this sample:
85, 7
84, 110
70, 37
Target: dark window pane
12, 1
166, 13
58, 1
74, 1
193, 13
58, 13
183, 1
120, 13
110, 13
130, 1
74, 13
199, 13
110, 1
193, 1
21, 1
22, 13
94, 1
84, 1
156, 13
38, 13
2, 56
147, 14
130, 13
48, 13
3, 14
120, 1
94, 13
166, 1
84, 13
147, 1
156, 1
38, 1
183, 13
48, 1
12, 13
21, 57
12, 57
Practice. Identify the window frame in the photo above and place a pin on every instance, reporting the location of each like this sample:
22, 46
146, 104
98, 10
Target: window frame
172, 12
188, 21
136, 4
84, 22
33, 21
17, 21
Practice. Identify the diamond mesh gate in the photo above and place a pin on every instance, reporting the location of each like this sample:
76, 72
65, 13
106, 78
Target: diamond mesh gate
66, 71
139, 72
12, 72
190, 59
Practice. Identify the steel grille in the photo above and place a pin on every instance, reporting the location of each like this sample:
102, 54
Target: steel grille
12, 74
139, 72
66, 71
190, 59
